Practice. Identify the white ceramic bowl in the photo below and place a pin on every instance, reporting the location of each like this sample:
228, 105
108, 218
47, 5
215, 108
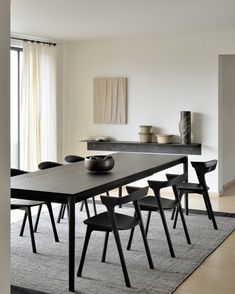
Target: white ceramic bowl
164, 139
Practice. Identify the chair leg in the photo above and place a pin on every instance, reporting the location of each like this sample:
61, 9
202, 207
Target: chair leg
23, 224
207, 199
37, 219
28, 210
87, 238
60, 214
63, 211
147, 223
173, 214
184, 224
52, 221
130, 239
186, 203
105, 246
87, 208
107, 193
94, 205
176, 217
165, 226
176, 208
150, 261
82, 205
207, 208
131, 236
121, 256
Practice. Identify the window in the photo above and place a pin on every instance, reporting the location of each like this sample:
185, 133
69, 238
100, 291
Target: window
33, 105
16, 65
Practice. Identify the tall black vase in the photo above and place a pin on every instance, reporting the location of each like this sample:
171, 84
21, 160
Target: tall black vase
185, 127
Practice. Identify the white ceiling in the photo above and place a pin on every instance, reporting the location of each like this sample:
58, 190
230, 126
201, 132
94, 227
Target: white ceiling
93, 19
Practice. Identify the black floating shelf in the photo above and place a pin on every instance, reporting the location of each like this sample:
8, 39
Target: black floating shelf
132, 146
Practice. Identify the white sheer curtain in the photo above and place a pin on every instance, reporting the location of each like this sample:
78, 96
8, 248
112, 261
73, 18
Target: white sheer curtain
38, 140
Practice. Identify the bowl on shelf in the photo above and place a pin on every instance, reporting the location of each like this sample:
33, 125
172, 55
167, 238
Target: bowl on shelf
145, 137
145, 129
99, 163
164, 139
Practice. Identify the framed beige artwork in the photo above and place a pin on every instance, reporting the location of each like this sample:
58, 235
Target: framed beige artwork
110, 100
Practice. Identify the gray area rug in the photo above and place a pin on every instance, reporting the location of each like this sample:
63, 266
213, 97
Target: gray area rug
47, 271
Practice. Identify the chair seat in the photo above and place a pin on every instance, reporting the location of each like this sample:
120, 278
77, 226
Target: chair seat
18, 203
101, 222
191, 187
150, 203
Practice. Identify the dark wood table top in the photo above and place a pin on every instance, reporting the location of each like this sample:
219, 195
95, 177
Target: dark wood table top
73, 180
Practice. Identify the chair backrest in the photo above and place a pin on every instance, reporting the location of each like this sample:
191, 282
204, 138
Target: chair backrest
73, 158
202, 168
48, 164
17, 172
172, 182
131, 189
171, 176
110, 202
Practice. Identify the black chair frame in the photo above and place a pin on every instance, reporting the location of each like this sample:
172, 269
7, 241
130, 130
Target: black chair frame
111, 221
201, 169
73, 159
26, 206
159, 204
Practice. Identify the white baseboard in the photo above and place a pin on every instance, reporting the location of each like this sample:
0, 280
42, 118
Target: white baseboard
228, 185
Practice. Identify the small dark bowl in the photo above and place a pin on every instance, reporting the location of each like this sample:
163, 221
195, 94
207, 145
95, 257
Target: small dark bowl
99, 163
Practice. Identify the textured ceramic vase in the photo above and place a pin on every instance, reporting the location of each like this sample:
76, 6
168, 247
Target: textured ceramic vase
185, 127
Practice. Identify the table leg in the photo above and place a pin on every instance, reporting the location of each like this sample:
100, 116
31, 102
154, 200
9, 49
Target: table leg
71, 204
185, 168
120, 194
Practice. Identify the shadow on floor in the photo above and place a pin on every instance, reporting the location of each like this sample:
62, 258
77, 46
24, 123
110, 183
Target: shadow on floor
19, 290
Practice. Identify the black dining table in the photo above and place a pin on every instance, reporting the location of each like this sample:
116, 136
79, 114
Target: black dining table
73, 183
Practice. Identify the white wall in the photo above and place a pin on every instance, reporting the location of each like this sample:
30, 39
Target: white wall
227, 118
4, 147
165, 75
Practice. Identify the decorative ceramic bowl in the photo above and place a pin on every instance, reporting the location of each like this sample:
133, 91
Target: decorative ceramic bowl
145, 129
164, 139
99, 163
146, 138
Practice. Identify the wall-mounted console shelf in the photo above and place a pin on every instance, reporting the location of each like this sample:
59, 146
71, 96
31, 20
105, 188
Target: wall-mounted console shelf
132, 146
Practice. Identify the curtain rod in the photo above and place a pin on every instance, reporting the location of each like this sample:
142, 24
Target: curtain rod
34, 41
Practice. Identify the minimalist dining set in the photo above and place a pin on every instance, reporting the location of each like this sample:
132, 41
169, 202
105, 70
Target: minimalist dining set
74, 182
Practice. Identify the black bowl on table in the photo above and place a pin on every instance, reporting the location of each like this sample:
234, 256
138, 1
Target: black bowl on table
99, 163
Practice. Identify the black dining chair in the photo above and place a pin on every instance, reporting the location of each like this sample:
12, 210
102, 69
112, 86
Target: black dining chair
46, 165
201, 169
73, 159
111, 221
158, 203
26, 205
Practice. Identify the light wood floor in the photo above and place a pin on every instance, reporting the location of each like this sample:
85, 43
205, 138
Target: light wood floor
217, 274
